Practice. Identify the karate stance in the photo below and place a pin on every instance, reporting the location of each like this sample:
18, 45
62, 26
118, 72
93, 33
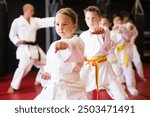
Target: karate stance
120, 36
131, 47
23, 35
64, 61
111, 57
97, 71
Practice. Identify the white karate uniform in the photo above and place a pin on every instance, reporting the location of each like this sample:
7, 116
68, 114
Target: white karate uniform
120, 40
94, 47
21, 29
132, 50
112, 59
64, 67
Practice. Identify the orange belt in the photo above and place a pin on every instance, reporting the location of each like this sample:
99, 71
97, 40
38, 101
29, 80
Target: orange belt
126, 59
94, 62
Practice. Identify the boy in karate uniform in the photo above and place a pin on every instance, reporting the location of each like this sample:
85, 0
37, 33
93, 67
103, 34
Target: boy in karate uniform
23, 35
97, 72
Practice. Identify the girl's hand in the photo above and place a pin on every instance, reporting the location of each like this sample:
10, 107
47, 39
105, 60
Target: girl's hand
46, 76
60, 45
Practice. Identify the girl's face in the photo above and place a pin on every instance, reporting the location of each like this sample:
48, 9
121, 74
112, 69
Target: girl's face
117, 20
64, 26
92, 19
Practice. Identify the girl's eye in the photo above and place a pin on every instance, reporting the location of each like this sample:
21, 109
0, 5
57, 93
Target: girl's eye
61, 24
93, 17
64, 24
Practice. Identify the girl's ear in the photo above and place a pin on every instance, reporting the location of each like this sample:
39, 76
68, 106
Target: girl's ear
75, 27
100, 18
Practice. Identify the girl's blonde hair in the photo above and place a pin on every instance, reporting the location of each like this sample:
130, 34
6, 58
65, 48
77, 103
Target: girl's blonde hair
70, 13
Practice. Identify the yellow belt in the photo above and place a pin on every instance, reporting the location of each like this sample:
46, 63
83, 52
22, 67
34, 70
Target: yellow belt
126, 59
94, 62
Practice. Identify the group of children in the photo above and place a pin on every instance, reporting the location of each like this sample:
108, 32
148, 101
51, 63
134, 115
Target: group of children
99, 59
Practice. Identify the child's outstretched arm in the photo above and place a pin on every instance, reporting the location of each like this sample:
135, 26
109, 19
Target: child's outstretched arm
72, 50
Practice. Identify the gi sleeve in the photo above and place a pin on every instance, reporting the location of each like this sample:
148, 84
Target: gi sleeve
45, 22
13, 34
74, 52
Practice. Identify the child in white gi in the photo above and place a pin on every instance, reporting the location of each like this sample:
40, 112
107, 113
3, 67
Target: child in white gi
131, 47
111, 57
120, 36
97, 71
64, 61
23, 35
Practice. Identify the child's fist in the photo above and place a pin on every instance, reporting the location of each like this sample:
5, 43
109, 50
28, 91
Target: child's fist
45, 76
60, 45
100, 31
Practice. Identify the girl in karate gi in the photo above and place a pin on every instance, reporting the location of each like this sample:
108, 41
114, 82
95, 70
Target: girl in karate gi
64, 61
120, 36
23, 35
97, 71
131, 47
